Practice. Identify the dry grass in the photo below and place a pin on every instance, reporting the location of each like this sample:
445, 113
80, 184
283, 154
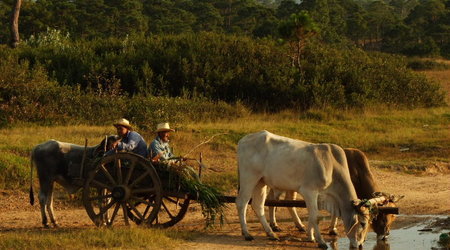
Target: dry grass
440, 76
116, 238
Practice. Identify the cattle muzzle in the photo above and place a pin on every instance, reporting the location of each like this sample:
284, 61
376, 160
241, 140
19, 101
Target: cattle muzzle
121, 193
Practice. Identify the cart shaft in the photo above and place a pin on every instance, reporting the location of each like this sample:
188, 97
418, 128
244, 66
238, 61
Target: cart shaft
300, 203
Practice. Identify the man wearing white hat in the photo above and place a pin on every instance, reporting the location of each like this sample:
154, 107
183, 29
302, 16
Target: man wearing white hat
130, 141
160, 148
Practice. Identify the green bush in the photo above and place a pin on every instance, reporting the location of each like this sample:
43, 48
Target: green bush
354, 78
26, 95
196, 77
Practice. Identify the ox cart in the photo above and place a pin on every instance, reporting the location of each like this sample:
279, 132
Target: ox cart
128, 184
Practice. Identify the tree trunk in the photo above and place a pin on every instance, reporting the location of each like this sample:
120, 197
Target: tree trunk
15, 24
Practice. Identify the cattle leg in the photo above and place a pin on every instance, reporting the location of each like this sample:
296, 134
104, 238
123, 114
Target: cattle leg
244, 195
50, 206
313, 210
43, 204
333, 230
69, 187
272, 210
258, 199
291, 195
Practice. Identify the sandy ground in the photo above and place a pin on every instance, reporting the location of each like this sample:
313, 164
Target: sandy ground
426, 194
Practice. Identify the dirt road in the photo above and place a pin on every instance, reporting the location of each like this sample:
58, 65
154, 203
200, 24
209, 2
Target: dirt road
424, 194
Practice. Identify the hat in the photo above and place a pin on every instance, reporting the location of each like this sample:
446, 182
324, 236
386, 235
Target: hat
161, 127
124, 123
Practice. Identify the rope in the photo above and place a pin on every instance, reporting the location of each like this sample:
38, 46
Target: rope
351, 229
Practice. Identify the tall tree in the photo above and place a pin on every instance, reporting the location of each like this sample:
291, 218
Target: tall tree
296, 31
380, 19
15, 39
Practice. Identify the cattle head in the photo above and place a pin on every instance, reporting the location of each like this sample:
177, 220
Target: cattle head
360, 225
105, 145
381, 223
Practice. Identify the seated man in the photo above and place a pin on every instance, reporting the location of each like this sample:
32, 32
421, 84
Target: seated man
160, 148
161, 153
129, 140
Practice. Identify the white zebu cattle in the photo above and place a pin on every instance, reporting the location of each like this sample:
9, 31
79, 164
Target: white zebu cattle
366, 188
287, 164
54, 160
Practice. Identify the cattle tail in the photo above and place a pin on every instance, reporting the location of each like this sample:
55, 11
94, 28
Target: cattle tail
31, 180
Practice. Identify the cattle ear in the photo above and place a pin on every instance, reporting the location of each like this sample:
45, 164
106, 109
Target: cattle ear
378, 194
396, 198
356, 203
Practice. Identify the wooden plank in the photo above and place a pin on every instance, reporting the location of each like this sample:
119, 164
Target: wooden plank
388, 210
273, 203
301, 203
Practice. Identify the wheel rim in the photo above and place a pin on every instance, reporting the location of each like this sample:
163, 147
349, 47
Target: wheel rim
116, 184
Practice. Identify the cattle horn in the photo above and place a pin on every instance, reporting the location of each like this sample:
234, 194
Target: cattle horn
389, 197
377, 200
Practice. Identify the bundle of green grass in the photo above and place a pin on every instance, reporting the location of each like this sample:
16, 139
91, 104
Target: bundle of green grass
179, 177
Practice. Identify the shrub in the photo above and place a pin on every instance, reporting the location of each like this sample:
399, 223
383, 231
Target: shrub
197, 76
26, 95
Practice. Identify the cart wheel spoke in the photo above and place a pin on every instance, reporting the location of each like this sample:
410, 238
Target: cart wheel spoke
104, 209
114, 214
118, 167
172, 200
167, 210
140, 178
130, 172
108, 175
147, 209
141, 217
125, 213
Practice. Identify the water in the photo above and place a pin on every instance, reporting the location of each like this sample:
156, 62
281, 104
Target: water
408, 237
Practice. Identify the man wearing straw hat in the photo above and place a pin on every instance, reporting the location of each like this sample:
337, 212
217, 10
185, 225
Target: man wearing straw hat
130, 140
160, 148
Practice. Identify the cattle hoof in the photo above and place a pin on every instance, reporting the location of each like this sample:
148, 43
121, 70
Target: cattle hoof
276, 228
333, 232
249, 238
301, 229
323, 245
274, 238
46, 226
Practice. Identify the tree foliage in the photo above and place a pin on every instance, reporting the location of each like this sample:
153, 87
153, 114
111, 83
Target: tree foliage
412, 27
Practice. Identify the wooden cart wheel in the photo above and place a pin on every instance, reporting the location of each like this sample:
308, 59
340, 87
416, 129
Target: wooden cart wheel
118, 182
173, 209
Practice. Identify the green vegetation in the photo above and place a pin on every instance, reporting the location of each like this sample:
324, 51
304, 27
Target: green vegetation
181, 177
96, 238
196, 77
411, 27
